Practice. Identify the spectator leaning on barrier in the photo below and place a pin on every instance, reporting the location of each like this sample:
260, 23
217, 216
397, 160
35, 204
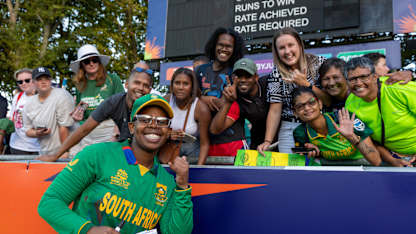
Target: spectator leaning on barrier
116, 107
333, 82
93, 86
129, 172
250, 93
224, 48
185, 95
292, 68
20, 143
47, 115
334, 136
390, 111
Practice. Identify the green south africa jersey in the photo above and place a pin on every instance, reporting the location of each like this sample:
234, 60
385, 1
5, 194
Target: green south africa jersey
333, 146
398, 104
108, 186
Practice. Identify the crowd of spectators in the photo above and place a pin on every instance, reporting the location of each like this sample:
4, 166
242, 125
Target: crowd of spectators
330, 108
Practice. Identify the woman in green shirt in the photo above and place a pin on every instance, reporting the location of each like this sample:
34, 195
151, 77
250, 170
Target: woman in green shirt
93, 86
334, 136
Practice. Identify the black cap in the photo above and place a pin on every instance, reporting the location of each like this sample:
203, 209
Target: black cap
40, 71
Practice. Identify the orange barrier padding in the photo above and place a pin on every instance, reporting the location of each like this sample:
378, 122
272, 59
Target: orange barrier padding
22, 187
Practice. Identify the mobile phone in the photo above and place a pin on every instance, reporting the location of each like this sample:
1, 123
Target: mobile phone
302, 150
188, 138
41, 128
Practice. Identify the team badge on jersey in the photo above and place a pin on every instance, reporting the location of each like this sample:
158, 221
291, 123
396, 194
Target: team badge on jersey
71, 164
161, 194
120, 179
359, 125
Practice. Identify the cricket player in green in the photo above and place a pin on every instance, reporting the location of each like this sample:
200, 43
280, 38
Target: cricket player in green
121, 186
320, 132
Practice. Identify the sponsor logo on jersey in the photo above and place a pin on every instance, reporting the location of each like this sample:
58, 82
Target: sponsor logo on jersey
120, 179
359, 125
161, 194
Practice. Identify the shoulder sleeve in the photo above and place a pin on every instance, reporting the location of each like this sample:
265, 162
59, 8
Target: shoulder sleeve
404, 94
234, 112
106, 108
299, 136
65, 188
117, 85
178, 217
64, 108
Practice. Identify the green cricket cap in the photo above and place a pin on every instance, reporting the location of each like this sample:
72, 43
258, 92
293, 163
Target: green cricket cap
247, 65
150, 100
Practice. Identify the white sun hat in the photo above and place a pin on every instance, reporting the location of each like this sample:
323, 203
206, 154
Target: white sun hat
87, 51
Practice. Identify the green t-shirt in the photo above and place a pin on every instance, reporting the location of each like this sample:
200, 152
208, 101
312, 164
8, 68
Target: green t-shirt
94, 95
333, 146
6, 125
107, 186
398, 104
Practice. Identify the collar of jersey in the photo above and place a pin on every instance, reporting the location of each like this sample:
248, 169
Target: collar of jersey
128, 153
312, 134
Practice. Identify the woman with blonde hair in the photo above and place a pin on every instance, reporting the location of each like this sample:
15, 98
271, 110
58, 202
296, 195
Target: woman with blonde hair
93, 85
293, 68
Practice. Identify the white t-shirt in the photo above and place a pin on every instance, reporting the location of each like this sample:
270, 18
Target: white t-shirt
51, 113
18, 139
179, 115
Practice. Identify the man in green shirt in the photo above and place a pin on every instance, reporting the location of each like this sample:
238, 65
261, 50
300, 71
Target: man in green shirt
122, 185
377, 104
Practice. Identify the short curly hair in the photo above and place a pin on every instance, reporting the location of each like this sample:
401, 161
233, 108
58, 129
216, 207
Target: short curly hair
238, 51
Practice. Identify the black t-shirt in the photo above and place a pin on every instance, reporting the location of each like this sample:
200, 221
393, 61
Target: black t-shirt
3, 107
255, 109
212, 83
115, 108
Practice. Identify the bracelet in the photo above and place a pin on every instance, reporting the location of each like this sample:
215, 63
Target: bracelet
268, 141
357, 140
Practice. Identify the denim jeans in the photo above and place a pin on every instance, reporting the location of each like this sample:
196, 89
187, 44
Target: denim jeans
286, 141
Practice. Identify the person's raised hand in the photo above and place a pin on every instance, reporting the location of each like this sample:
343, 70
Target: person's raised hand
299, 78
213, 103
346, 124
181, 168
230, 91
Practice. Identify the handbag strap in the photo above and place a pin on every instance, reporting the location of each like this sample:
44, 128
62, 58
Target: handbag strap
172, 157
379, 108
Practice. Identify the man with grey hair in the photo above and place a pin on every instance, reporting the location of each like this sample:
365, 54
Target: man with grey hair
390, 111
19, 142
116, 107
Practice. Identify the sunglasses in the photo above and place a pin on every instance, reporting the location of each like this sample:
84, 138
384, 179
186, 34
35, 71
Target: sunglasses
312, 102
21, 81
148, 71
89, 60
162, 122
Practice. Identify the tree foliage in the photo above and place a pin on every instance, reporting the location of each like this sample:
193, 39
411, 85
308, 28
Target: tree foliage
49, 32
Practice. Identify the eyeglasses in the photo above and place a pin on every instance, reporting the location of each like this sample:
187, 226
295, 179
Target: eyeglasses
148, 71
312, 102
89, 60
20, 82
362, 78
162, 122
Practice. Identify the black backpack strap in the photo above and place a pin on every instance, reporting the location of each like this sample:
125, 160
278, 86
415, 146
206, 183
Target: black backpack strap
379, 108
